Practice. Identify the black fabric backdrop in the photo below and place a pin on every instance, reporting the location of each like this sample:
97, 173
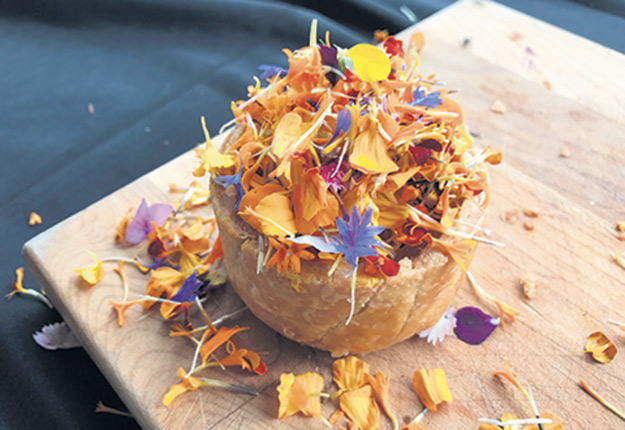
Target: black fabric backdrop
150, 69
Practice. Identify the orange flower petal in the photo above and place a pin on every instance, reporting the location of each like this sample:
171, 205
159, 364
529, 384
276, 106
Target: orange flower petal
188, 384
431, 387
299, 394
34, 219
218, 339
349, 373
360, 406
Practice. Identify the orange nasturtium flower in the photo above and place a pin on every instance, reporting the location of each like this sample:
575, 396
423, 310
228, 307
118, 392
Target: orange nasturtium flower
34, 219
360, 406
92, 274
299, 394
601, 347
219, 338
431, 387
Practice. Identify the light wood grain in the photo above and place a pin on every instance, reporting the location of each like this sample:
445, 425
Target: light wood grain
580, 286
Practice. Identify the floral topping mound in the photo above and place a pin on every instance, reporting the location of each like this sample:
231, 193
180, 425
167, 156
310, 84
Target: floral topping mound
351, 154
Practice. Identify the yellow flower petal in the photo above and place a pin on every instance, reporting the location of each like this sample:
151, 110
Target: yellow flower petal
601, 348
360, 406
211, 158
92, 274
370, 62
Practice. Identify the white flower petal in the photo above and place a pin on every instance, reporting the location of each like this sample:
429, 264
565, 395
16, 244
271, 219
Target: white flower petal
56, 336
444, 327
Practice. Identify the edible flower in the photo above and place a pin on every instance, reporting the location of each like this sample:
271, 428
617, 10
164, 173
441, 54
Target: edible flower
443, 327
299, 394
356, 237
188, 290
141, 224
120, 232
56, 336
601, 400
18, 288
601, 347
474, 326
429, 100
271, 70
360, 406
34, 219
431, 387
190, 383
380, 383
349, 373
91, 274
235, 180
370, 62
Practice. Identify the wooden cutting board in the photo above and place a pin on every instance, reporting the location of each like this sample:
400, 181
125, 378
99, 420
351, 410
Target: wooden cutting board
581, 287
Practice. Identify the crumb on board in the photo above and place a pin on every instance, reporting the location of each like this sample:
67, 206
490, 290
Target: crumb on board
532, 212
565, 152
529, 283
620, 226
547, 84
498, 107
528, 225
621, 236
516, 36
510, 216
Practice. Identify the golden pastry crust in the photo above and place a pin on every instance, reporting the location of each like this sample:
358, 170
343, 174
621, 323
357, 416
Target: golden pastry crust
311, 307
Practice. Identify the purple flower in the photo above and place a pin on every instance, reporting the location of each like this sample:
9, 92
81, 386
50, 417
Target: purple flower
271, 70
329, 58
226, 181
343, 123
356, 238
474, 326
188, 290
141, 224
430, 100
334, 181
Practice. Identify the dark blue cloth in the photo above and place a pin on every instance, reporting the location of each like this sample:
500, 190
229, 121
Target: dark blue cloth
150, 69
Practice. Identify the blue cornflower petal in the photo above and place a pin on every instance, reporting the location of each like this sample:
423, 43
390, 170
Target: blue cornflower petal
430, 100
188, 291
271, 70
226, 181
343, 123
